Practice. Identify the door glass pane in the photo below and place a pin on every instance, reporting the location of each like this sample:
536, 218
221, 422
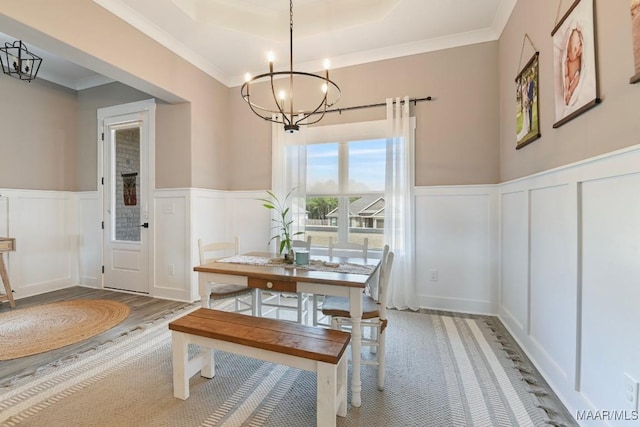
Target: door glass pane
322, 168
126, 164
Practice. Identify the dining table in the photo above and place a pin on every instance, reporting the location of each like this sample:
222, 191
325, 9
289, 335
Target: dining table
340, 276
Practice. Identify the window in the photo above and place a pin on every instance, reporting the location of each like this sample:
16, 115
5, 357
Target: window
345, 184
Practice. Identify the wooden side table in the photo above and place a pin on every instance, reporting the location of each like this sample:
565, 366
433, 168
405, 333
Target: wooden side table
6, 244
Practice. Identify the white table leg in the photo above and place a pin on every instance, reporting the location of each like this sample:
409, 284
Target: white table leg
204, 289
355, 310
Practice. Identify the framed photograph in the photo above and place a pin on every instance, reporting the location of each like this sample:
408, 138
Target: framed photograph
574, 62
527, 117
635, 34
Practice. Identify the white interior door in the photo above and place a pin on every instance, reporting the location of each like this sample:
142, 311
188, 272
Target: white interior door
126, 202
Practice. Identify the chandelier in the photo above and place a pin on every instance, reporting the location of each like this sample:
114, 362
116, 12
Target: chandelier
314, 93
18, 62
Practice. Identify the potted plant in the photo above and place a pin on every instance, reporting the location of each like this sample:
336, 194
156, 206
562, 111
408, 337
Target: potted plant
283, 222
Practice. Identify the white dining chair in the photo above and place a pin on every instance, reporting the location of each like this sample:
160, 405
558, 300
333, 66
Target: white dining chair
374, 316
245, 297
360, 250
301, 306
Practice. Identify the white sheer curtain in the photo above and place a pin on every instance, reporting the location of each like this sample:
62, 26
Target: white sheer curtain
399, 230
289, 163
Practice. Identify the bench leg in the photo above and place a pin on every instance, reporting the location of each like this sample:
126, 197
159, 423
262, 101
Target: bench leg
343, 384
209, 364
327, 404
180, 355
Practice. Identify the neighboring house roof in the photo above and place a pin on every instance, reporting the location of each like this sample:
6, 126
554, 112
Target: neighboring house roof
367, 206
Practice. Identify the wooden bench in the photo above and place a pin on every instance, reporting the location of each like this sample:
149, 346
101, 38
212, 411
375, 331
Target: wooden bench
302, 347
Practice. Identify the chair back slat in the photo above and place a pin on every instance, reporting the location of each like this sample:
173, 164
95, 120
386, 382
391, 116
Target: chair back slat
349, 248
216, 250
383, 282
374, 286
296, 243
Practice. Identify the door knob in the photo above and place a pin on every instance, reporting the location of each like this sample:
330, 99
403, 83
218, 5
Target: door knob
145, 225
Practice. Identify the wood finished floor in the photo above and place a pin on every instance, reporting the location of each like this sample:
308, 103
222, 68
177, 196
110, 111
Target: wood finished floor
144, 309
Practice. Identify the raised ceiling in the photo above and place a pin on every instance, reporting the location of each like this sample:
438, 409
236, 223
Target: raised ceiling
227, 38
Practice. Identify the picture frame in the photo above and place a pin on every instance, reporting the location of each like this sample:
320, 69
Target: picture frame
527, 112
635, 35
574, 62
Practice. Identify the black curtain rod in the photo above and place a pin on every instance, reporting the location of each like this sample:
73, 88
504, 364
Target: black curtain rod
382, 104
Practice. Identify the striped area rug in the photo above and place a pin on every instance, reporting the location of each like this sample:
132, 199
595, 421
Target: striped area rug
442, 370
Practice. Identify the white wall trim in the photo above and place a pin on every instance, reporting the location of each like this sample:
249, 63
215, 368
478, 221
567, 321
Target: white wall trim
621, 154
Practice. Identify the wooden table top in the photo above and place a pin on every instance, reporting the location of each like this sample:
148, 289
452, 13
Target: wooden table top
279, 272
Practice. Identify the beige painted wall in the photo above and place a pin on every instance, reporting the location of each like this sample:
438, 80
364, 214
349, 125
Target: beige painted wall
457, 133
465, 136
89, 101
609, 126
49, 135
173, 131
100, 40
38, 135
210, 126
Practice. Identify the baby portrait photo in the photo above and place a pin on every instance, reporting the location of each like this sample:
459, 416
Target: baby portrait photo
574, 60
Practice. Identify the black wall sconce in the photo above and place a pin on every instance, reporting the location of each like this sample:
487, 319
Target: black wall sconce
18, 62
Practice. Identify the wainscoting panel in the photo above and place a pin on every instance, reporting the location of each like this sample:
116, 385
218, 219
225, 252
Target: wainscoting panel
514, 238
251, 221
171, 237
553, 289
88, 239
455, 248
610, 288
210, 218
43, 258
582, 246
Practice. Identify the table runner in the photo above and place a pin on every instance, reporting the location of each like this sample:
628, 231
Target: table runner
314, 264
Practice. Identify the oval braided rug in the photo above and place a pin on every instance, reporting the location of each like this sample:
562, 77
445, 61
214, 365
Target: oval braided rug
41, 328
